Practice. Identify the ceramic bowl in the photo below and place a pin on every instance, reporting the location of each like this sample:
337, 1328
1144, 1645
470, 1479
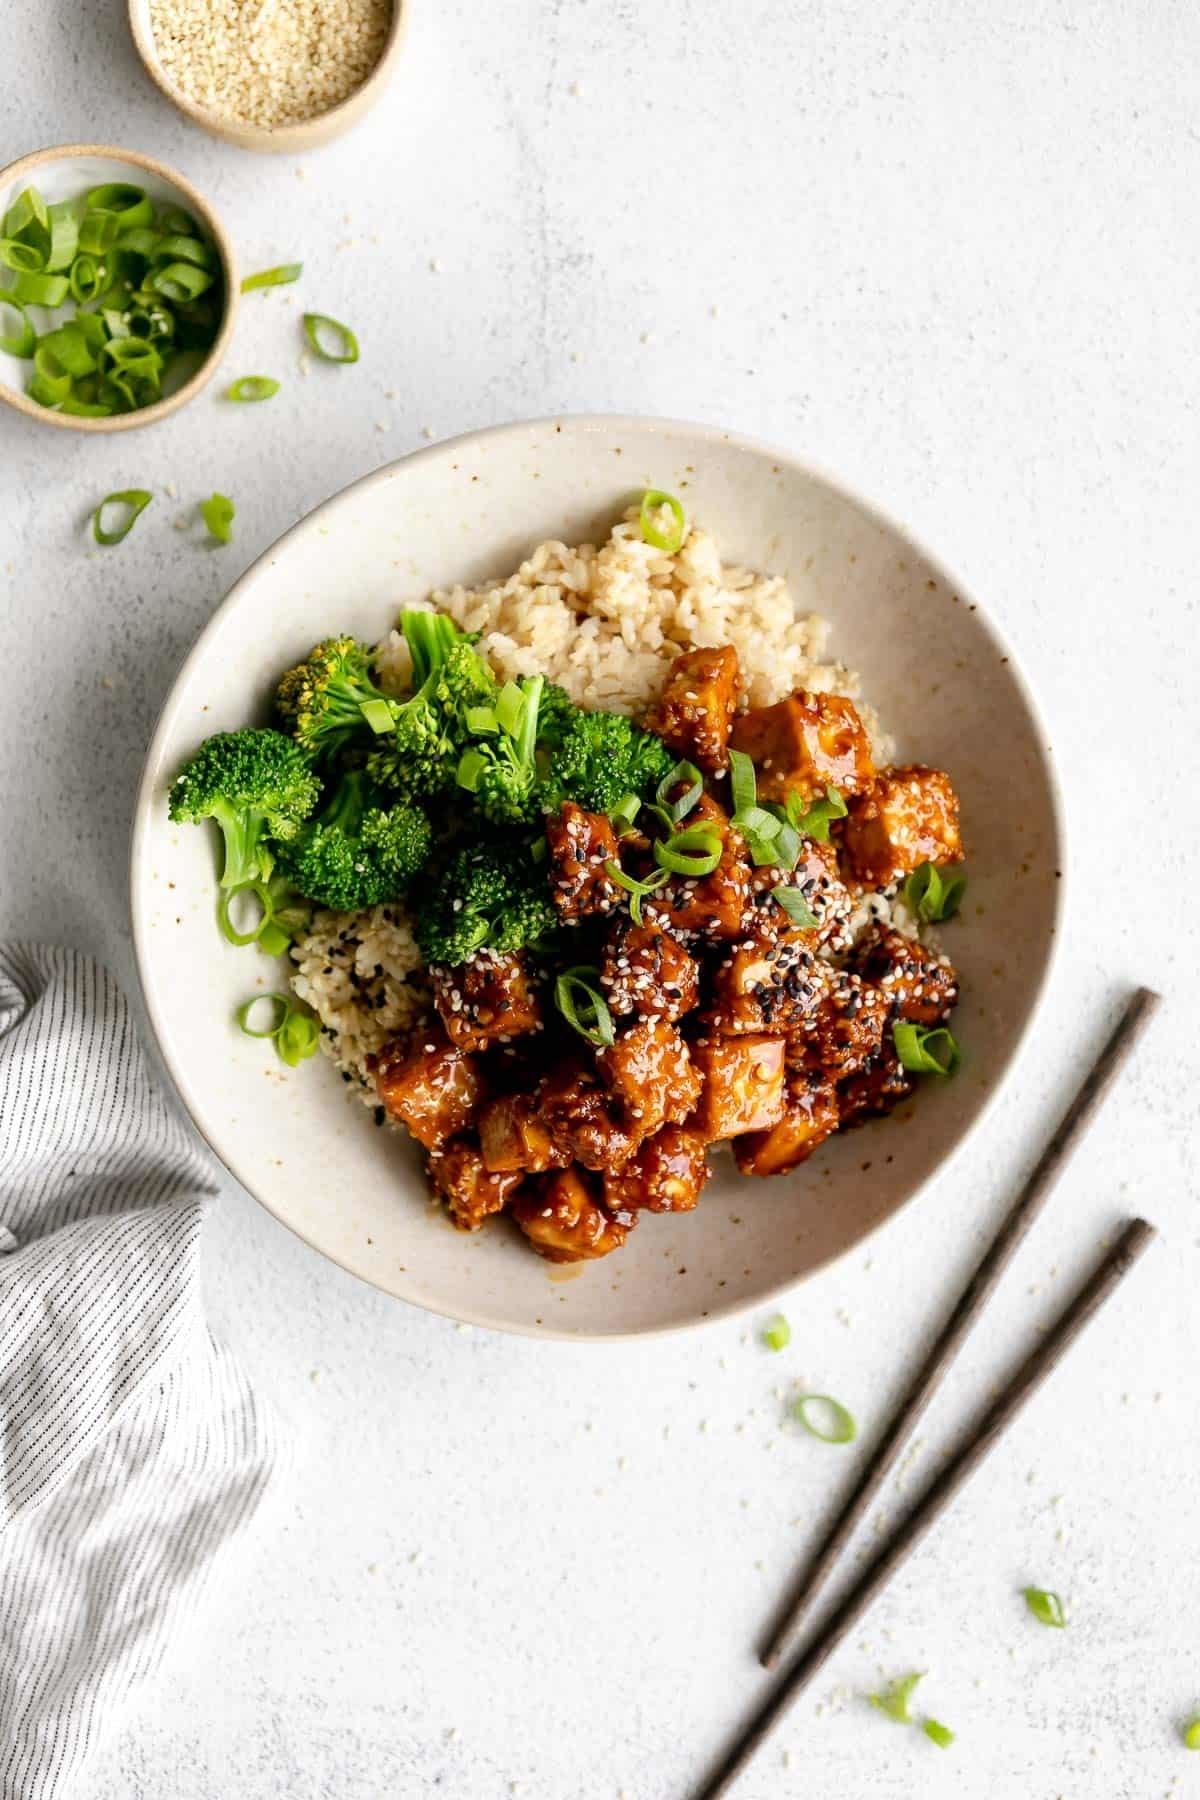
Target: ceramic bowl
307, 134
64, 173
943, 680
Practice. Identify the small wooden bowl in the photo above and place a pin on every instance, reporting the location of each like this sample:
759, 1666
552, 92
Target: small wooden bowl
62, 173
306, 134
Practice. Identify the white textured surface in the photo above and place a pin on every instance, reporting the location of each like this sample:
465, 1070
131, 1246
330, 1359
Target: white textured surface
953, 254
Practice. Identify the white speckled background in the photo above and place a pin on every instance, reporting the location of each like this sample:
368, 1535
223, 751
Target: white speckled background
951, 252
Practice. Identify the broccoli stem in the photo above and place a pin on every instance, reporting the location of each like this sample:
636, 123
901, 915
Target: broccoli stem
246, 855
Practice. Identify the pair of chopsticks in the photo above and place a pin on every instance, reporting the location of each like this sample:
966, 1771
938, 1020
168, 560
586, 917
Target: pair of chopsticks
1043, 1360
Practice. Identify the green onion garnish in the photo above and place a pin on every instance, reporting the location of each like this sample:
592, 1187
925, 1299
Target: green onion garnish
624, 813
19, 343
814, 821
583, 1006
637, 890
894, 1700
825, 1418
278, 1001
134, 501
1191, 1734
1045, 1606
22, 259
296, 1033
471, 765
925, 1051
937, 1733
276, 277
682, 771
777, 1333
41, 290
344, 347
129, 205
693, 851
742, 781
653, 502
180, 282
795, 906
510, 709
259, 891
252, 387
930, 896
27, 217
218, 514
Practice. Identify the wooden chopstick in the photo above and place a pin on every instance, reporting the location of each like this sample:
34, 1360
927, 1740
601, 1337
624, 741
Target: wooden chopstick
996, 1258
1134, 1240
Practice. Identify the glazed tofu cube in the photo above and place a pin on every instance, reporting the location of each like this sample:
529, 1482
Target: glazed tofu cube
429, 1085
874, 1090
743, 1085
514, 1135
565, 1222
906, 817
666, 1175
697, 706
767, 985
585, 1119
805, 744
649, 1072
472, 1192
810, 1116
647, 972
489, 1000
920, 986
846, 1030
582, 844
706, 906
817, 879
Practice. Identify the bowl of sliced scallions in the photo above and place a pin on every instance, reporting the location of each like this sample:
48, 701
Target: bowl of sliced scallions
117, 288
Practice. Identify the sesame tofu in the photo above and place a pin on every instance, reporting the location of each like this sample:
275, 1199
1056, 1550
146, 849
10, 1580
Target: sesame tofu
767, 985
488, 1000
874, 1090
705, 906
666, 1175
810, 1116
514, 1135
846, 1028
565, 1222
647, 972
805, 744
429, 1085
817, 879
921, 987
743, 1085
906, 817
585, 1119
582, 844
697, 705
471, 1191
649, 1072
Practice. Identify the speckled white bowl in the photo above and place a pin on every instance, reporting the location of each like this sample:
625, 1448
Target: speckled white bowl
944, 682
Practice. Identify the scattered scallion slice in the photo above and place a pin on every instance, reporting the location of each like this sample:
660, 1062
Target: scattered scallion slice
1191, 1734
694, 851
579, 1000
923, 1051
1045, 1606
252, 388
680, 808
825, 1418
777, 1333
471, 765
134, 501
279, 276
482, 721
344, 345
931, 896
20, 343
937, 1733
510, 708
795, 906
742, 781
280, 1002
623, 813
814, 820
218, 514
296, 1032
231, 932
637, 890
653, 501
895, 1700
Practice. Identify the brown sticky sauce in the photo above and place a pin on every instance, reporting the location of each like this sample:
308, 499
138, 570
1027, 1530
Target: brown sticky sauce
564, 1271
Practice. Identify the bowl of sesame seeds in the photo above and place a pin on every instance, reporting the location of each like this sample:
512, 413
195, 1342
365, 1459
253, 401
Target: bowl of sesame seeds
270, 75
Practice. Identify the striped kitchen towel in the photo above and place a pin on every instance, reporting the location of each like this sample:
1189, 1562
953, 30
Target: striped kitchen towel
131, 1446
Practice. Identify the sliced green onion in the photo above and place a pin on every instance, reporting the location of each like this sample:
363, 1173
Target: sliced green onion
279, 276
230, 932
539, 850
482, 721
52, 381
180, 282
814, 822
296, 1033
177, 248
471, 765
40, 290
694, 851
69, 347
99, 232
583, 1006
510, 709
937, 1733
377, 713
132, 205
1191, 1734
64, 236
682, 771
933, 897
174, 218
22, 259
134, 500
742, 781
761, 831
795, 906
252, 387
1045, 1606
653, 501
923, 1051
218, 514
27, 216
777, 1333
21, 343
825, 1418
345, 345
637, 890
87, 278
624, 813
894, 1700
244, 1011
91, 328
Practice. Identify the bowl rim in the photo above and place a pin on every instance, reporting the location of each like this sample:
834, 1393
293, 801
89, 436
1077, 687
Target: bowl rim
300, 134
143, 814
161, 409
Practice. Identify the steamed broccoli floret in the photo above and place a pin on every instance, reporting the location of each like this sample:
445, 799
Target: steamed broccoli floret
359, 850
601, 757
499, 766
555, 713
490, 896
329, 699
419, 756
257, 785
